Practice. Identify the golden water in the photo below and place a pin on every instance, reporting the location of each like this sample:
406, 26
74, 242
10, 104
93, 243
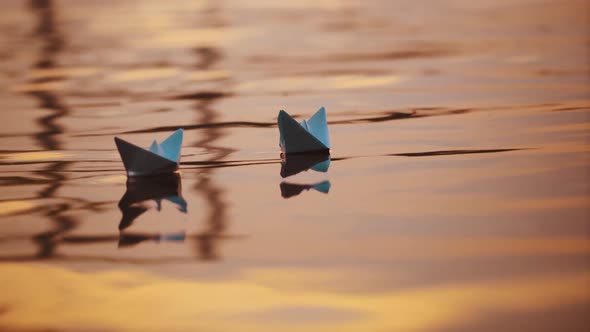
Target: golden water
459, 194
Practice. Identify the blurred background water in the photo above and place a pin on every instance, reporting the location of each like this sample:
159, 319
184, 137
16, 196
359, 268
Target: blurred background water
456, 198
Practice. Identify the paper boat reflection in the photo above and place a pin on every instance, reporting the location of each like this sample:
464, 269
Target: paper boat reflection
294, 164
310, 135
291, 189
129, 240
140, 189
159, 158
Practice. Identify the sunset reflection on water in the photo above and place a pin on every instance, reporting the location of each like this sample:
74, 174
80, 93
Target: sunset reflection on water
456, 196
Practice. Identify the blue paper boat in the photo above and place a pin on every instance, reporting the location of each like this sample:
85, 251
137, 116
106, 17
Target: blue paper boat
308, 136
159, 158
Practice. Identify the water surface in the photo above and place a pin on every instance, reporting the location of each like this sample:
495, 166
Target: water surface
456, 196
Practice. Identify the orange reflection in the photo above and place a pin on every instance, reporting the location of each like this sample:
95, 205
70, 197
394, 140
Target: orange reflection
34, 156
10, 207
144, 74
45, 296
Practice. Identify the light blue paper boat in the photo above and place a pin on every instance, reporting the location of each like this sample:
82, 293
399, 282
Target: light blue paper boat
159, 158
308, 136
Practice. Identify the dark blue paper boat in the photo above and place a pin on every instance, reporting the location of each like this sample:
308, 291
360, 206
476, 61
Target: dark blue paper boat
308, 136
159, 158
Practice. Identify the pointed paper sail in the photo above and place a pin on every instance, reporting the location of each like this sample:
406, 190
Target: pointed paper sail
308, 136
157, 159
170, 147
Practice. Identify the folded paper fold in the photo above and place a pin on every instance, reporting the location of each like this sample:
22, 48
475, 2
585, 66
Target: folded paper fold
159, 158
310, 135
